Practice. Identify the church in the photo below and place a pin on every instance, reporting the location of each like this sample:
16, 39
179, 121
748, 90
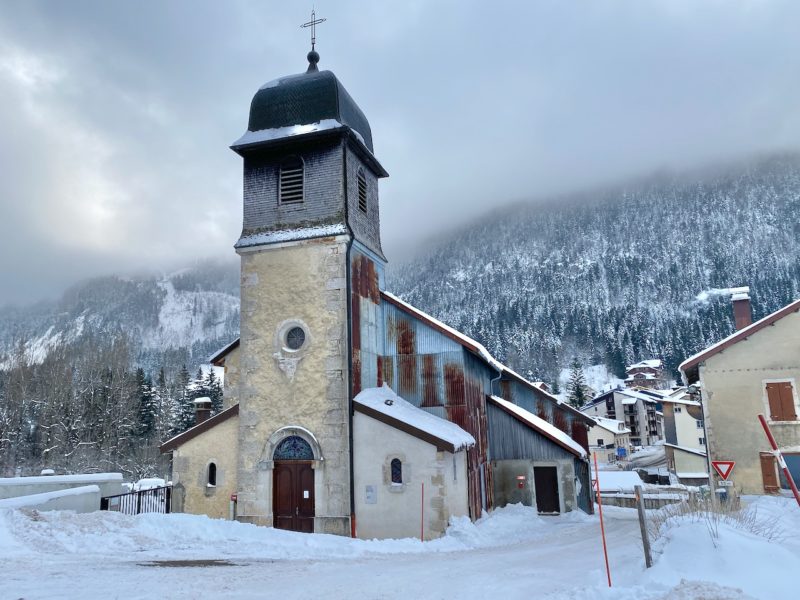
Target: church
347, 410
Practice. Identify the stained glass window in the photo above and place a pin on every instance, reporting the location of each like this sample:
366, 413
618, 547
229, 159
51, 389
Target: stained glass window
397, 471
295, 338
293, 448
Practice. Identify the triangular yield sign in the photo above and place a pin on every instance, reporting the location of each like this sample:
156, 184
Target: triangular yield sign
723, 467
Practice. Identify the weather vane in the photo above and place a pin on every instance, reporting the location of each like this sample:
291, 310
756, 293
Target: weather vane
313, 24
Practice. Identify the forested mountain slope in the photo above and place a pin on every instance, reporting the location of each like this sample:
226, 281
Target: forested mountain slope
168, 321
614, 277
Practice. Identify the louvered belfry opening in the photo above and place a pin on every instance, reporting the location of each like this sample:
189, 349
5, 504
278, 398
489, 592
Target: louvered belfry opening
362, 191
291, 188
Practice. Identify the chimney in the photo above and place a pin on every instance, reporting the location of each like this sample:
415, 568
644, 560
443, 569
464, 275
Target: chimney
202, 410
742, 314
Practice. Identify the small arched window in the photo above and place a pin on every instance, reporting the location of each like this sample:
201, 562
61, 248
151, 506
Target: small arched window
397, 471
212, 474
362, 190
291, 180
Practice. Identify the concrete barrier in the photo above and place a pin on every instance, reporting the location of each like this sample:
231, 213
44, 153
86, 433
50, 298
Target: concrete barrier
80, 499
110, 484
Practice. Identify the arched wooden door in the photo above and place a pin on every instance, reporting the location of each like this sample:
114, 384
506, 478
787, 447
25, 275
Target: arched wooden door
293, 486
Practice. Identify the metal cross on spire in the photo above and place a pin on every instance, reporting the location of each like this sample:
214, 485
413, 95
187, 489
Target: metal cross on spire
313, 24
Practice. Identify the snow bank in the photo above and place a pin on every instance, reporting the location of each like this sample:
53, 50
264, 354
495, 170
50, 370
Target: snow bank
758, 566
184, 536
618, 481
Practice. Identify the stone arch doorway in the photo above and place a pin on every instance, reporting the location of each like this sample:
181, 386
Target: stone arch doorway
293, 484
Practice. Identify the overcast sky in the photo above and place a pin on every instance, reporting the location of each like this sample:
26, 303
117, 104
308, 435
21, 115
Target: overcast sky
116, 117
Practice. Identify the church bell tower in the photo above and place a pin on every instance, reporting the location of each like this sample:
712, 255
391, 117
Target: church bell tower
311, 260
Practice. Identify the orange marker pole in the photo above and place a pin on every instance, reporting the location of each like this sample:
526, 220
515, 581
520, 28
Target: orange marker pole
600, 506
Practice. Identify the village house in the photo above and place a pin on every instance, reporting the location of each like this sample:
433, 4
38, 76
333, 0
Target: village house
684, 437
648, 374
610, 439
638, 410
346, 410
754, 371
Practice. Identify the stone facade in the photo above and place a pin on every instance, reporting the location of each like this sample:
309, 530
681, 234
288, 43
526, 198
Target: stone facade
297, 284
190, 463
231, 386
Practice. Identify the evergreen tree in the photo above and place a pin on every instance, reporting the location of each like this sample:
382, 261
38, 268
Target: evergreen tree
147, 411
184, 390
576, 388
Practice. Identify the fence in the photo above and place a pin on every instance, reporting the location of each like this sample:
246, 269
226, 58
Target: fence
154, 500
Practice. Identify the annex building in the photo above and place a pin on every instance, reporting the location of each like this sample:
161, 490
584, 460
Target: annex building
347, 410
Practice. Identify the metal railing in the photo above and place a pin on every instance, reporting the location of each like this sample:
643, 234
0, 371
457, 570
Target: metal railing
154, 500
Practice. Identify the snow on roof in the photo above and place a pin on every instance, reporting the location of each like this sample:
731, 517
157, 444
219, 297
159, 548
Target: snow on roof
285, 235
542, 426
383, 400
80, 478
653, 363
611, 425
681, 401
223, 351
479, 348
640, 376
741, 334
638, 395
686, 449
203, 400
266, 135
629, 400
32, 500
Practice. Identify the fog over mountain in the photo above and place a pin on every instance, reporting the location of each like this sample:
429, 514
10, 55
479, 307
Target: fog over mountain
610, 277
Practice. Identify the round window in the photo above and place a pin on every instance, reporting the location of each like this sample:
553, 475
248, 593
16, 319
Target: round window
295, 338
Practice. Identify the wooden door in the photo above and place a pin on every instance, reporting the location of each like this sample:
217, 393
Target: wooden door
546, 481
769, 473
293, 495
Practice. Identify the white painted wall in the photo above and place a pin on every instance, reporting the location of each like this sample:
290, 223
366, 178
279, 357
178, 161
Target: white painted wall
397, 509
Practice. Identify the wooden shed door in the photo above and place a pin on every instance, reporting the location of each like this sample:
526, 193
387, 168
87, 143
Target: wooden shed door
293, 495
546, 481
769, 473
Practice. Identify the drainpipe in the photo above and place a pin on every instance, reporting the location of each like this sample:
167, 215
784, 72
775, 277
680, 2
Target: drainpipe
491, 382
348, 295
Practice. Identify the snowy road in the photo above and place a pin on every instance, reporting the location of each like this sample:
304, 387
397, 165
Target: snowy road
513, 554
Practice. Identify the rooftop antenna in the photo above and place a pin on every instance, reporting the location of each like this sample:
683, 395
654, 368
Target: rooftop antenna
313, 56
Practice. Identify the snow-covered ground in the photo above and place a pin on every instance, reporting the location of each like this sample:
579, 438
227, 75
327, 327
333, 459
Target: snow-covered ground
511, 554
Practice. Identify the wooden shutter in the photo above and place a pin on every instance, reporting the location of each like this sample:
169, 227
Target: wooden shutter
787, 402
769, 474
781, 401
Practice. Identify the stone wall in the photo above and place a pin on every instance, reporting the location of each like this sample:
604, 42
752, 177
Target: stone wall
190, 463
297, 284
